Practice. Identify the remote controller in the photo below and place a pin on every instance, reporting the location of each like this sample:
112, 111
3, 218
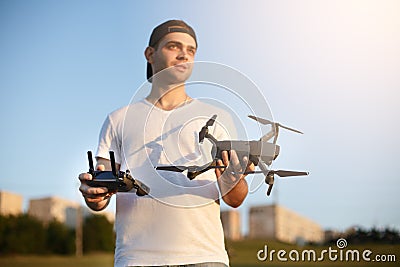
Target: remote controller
115, 181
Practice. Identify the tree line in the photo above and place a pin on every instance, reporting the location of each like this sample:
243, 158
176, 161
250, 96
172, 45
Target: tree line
24, 234
374, 235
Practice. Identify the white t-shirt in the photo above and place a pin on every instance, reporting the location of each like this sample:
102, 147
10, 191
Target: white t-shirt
179, 221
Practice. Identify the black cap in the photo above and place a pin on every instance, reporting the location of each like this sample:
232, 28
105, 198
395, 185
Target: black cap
163, 29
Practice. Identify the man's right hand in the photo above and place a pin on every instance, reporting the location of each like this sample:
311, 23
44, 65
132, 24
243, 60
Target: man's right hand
96, 198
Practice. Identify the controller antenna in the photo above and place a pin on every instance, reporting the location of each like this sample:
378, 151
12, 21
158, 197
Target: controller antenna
113, 168
90, 158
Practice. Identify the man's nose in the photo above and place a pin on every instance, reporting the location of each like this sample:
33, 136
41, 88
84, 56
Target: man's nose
182, 55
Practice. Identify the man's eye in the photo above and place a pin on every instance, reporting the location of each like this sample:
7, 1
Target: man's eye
173, 46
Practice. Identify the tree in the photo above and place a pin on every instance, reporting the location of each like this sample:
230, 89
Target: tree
60, 239
22, 234
98, 234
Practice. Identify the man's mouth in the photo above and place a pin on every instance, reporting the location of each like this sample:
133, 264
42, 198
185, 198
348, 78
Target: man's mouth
181, 67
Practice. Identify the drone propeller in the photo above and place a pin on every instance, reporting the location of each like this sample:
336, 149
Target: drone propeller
283, 173
193, 168
269, 189
260, 120
266, 122
189, 168
204, 130
172, 168
193, 171
280, 173
269, 176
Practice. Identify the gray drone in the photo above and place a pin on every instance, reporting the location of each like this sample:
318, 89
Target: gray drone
260, 152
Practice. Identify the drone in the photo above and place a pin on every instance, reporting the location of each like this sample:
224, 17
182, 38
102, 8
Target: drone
260, 152
115, 181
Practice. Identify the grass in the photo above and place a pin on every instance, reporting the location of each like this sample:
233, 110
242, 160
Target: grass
242, 254
95, 260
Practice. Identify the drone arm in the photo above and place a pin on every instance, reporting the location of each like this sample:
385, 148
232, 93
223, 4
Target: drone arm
273, 133
268, 136
212, 138
262, 165
276, 130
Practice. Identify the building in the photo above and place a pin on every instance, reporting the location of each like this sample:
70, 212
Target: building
231, 223
54, 208
278, 223
10, 203
62, 210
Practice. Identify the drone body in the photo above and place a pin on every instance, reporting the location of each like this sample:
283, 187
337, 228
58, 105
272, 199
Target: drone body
254, 150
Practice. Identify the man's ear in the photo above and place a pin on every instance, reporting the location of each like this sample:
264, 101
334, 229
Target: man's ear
148, 53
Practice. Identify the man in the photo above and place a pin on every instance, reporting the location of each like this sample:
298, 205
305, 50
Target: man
178, 223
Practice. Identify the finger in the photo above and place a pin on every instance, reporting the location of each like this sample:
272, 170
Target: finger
250, 167
85, 177
225, 158
235, 161
95, 198
98, 197
89, 190
220, 163
219, 171
100, 167
245, 162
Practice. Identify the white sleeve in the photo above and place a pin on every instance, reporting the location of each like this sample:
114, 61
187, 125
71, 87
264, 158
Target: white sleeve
109, 141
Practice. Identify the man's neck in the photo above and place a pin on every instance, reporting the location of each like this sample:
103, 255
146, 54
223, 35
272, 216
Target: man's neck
168, 97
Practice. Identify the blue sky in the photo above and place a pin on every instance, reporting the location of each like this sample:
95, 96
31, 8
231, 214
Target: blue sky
328, 68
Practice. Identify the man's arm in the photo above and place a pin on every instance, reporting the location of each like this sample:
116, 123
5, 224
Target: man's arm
233, 187
96, 198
